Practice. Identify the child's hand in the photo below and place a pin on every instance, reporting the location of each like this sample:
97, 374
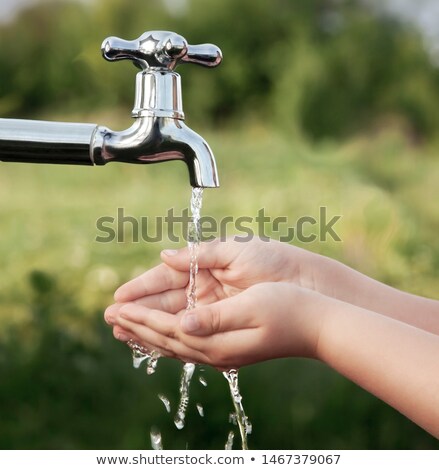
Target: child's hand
260, 301
226, 269
265, 321
229, 268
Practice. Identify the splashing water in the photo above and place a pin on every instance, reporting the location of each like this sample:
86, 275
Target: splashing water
138, 352
229, 442
180, 416
156, 439
239, 416
193, 241
151, 365
200, 410
202, 381
165, 400
141, 354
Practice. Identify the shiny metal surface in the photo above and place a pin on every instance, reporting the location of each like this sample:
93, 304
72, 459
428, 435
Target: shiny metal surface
153, 140
158, 94
45, 142
148, 140
161, 50
158, 133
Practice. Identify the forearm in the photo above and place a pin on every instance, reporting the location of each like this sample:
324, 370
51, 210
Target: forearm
396, 362
336, 280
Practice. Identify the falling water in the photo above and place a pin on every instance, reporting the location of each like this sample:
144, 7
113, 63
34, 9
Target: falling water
229, 442
202, 381
186, 376
165, 400
193, 240
200, 410
239, 416
156, 439
140, 354
151, 365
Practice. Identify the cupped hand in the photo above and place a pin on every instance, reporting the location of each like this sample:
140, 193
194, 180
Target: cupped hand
225, 269
264, 321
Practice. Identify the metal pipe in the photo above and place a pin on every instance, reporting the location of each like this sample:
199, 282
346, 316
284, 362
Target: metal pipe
46, 142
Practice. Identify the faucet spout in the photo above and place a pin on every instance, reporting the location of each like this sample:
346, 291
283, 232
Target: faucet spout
158, 133
154, 140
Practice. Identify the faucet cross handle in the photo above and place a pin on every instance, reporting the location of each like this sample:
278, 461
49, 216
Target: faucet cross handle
161, 50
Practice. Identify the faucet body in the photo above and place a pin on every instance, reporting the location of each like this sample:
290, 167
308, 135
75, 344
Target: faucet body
148, 140
158, 133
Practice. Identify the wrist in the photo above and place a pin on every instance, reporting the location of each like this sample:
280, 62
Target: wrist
311, 310
313, 271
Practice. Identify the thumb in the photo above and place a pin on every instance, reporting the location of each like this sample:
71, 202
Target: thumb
225, 315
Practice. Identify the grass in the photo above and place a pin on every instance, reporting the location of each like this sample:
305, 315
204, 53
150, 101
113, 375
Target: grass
56, 280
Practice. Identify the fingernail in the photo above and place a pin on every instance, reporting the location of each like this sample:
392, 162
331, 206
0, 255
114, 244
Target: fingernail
190, 323
170, 252
109, 319
122, 337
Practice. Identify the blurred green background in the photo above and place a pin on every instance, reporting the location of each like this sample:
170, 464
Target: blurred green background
317, 103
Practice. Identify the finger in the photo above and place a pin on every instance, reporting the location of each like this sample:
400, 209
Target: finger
166, 345
128, 337
162, 322
123, 335
110, 313
213, 254
158, 279
171, 301
230, 314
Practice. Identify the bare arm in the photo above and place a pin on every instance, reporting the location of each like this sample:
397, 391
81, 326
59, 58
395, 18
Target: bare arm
395, 361
336, 280
260, 301
236, 265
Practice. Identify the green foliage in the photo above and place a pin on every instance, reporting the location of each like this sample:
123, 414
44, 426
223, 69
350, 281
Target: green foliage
315, 71
318, 68
70, 384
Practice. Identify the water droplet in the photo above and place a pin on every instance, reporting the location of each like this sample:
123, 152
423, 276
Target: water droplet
156, 439
202, 381
179, 420
165, 401
139, 353
151, 365
229, 443
248, 426
200, 410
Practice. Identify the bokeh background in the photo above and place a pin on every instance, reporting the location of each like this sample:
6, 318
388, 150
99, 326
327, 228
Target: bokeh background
318, 103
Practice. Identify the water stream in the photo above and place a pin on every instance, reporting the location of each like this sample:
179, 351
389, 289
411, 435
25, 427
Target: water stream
141, 354
238, 417
193, 241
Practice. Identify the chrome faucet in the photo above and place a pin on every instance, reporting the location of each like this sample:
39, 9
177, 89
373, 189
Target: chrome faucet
158, 133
